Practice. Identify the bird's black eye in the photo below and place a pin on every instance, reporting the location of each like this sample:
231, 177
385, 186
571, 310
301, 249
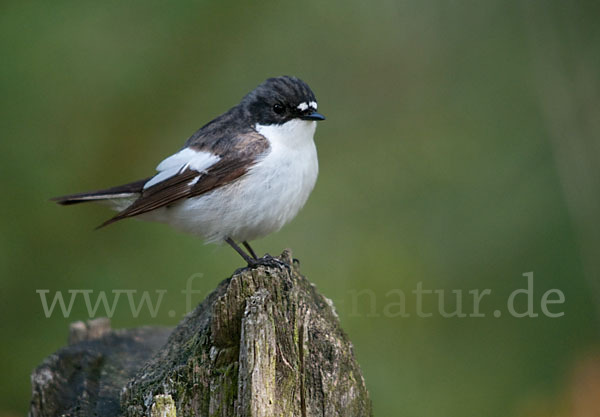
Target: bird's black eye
278, 108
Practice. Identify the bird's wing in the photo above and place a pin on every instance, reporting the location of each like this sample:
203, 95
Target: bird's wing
195, 170
189, 157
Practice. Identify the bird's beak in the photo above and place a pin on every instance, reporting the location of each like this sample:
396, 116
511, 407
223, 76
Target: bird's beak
313, 116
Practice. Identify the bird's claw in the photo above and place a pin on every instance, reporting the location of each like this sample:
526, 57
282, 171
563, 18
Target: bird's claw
269, 260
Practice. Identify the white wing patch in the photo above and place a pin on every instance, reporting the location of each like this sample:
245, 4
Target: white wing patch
186, 158
194, 181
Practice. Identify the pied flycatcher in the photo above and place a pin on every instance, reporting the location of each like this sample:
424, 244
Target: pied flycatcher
240, 177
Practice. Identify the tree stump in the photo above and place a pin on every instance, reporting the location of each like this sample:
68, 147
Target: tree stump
263, 343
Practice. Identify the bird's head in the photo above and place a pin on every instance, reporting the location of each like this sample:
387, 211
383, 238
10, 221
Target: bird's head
280, 100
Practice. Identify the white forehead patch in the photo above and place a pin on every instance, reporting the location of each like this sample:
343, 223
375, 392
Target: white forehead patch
302, 106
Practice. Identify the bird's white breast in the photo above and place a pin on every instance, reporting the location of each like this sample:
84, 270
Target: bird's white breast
268, 196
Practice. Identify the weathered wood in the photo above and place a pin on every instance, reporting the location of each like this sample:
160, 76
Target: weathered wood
264, 343
86, 377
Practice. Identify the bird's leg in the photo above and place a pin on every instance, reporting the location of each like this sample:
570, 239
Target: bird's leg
249, 248
251, 261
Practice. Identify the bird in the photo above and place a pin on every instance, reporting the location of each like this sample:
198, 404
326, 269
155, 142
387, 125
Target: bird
240, 177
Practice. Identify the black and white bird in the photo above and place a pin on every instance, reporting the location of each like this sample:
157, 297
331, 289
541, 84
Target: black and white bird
240, 177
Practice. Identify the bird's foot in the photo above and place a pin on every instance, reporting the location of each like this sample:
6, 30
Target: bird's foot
269, 260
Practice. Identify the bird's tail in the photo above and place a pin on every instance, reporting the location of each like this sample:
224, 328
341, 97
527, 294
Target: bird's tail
122, 193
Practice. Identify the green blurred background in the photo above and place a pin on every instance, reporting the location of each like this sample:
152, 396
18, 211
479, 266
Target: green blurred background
461, 150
